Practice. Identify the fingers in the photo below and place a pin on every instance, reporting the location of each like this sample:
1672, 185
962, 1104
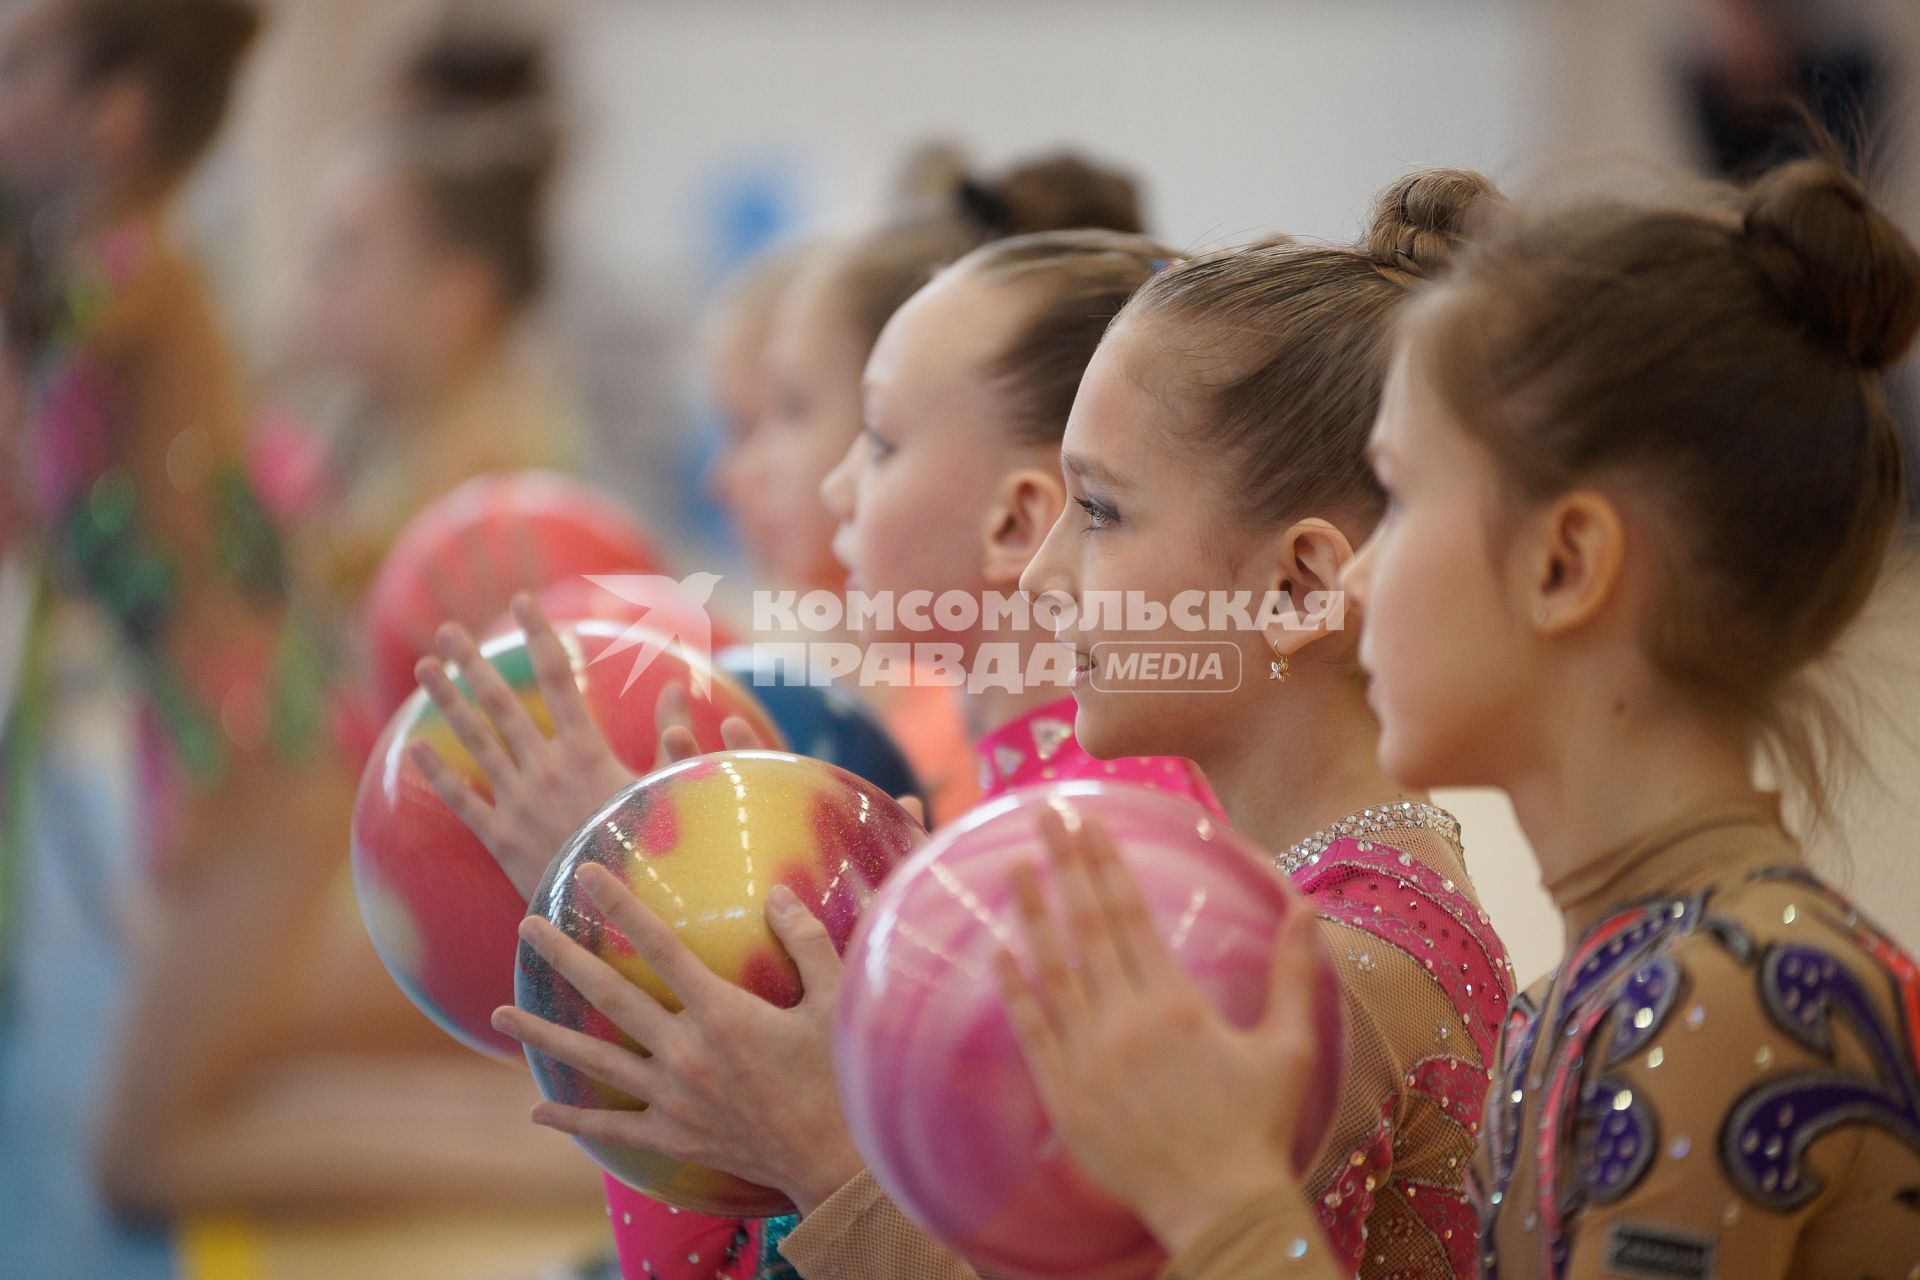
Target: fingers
610, 1064
737, 735
491, 693
468, 725
1033, 1029
677, 744
1291, 988
916, 809
807, 941
605, 988
610, 1128
553, 670
652, 939
673, 723
466, 803
1093, 937
1142, 950
1057, 988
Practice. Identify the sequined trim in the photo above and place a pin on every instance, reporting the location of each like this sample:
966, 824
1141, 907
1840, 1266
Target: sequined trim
1407, 815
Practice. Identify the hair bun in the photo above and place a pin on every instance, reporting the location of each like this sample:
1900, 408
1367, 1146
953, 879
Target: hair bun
1419, 221
1064, 191
1837, 262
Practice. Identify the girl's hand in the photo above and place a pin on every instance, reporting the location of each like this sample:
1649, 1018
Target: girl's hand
544, 789
732, 1082
1175, 1112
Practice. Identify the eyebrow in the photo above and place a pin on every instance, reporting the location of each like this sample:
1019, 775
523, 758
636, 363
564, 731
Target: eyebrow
1088, 469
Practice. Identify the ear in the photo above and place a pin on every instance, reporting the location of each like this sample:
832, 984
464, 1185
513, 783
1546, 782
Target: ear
1308, 558
1577, 557
1024, 510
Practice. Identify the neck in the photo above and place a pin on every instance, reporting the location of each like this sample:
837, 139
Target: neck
1613, 778
1305, 761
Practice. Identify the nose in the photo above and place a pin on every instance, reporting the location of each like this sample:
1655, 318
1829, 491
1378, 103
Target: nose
838, 486
1050, 572
1357, 578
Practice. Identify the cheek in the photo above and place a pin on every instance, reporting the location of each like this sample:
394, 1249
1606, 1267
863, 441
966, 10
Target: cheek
913, 532
1436, 654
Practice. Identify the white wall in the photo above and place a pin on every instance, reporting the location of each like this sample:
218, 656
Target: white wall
1241, 116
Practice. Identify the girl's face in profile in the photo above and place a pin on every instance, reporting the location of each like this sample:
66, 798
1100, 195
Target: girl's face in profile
929, 497
1447, 646
772, 485
1148, 516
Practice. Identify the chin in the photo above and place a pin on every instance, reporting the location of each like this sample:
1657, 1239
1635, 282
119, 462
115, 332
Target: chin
1114, 725
1420, 765
1094, 724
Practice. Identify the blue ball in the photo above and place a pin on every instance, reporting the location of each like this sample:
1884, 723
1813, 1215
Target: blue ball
824, 721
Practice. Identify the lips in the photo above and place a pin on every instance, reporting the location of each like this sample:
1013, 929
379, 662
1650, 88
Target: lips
1083, 665
842, 541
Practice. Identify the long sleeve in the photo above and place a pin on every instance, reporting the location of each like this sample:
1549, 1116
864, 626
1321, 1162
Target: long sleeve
859, 1234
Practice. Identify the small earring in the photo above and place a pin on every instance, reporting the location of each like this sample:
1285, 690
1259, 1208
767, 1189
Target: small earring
1279, 669
1540, 617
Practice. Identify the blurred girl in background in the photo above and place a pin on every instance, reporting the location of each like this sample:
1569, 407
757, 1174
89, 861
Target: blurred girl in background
428, 264
252, 1069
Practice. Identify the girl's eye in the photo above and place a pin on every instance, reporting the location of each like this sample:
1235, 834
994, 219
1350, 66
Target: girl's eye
879, 449
1099, 515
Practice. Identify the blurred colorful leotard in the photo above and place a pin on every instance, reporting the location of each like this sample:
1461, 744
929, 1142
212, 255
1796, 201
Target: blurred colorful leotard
140, 506
347, 495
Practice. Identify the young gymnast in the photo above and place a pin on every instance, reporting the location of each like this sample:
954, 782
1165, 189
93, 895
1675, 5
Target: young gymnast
1215, 441
421, 294
825, 325
237, 1081
929, 500
1643, 477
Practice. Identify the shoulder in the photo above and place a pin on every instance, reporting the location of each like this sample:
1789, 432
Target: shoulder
1402, 926
1776, 1018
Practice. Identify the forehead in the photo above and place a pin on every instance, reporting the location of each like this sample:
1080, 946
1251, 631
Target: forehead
1128, 386
952, 329
1125, 426
812, 315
